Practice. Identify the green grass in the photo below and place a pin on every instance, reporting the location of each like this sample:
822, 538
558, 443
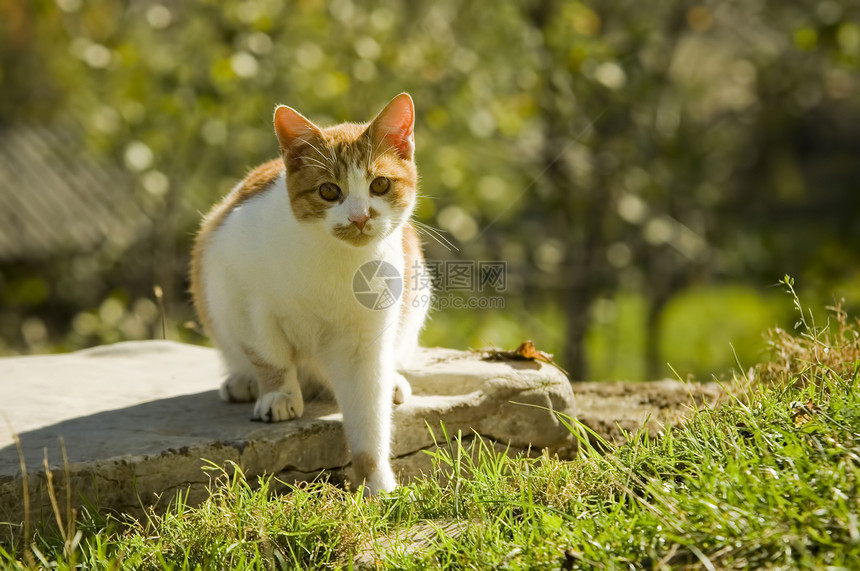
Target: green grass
771, 479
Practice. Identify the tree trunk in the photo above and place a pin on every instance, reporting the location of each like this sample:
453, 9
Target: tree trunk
577, 214
653, 331
575, 359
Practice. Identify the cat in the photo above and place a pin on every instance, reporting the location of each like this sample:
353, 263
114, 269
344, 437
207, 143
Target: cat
274, 265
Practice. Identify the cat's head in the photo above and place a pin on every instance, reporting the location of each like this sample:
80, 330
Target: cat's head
356, 180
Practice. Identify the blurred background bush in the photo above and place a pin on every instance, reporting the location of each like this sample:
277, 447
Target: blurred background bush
648, 170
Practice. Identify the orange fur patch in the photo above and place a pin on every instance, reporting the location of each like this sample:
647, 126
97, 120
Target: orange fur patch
412, 255
258, 180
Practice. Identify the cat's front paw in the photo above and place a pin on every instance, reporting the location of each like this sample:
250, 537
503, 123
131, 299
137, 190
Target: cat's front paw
239, 387
402, 389
278, 406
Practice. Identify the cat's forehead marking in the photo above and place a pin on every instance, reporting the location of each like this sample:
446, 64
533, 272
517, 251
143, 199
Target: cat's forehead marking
351, 154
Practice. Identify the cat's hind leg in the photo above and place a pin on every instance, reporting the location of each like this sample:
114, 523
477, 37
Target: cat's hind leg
407, 336
239, 387
402, 389
280, 396
241, 383
411, 322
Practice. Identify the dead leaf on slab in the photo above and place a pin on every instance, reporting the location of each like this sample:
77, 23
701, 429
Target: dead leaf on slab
525, 352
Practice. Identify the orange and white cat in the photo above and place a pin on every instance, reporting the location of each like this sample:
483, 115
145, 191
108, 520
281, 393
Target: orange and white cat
272, 273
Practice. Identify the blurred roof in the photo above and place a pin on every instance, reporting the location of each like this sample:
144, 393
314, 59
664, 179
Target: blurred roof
54, 199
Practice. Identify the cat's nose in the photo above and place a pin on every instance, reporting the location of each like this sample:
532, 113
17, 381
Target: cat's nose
359, 219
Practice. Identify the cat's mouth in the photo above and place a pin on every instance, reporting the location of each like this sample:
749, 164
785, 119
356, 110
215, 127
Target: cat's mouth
351, 234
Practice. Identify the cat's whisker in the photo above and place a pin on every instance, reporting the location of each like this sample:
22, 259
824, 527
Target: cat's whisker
323, 168
438, 237
326, 161
440, 240
429, 228
316, 161
332, 153
436, 234
320, 164
329, 159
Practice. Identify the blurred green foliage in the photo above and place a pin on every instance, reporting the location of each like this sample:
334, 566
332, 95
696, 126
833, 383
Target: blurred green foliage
646, 170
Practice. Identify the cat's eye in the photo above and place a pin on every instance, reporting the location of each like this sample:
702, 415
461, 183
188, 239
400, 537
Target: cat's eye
380, 185
329, 191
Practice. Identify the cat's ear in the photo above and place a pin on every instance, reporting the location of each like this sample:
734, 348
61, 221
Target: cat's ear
293, 129
395, 125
